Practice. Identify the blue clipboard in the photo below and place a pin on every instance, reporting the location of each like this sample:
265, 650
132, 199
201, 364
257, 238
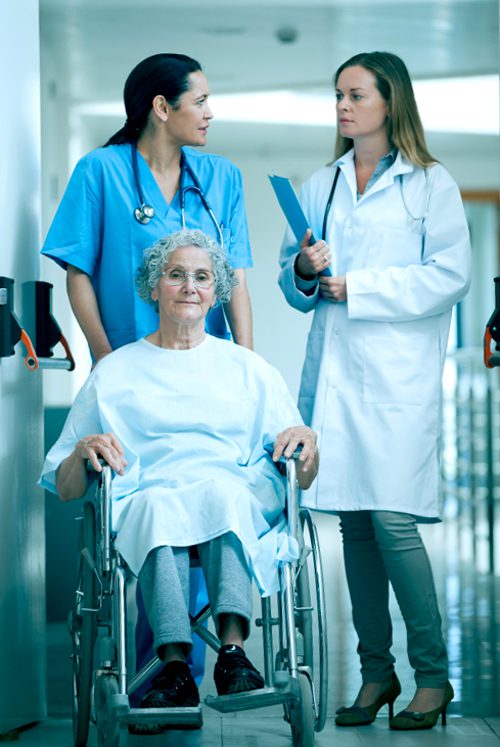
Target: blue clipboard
292, 209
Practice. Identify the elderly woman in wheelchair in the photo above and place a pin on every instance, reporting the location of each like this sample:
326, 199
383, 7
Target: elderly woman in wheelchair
183, 418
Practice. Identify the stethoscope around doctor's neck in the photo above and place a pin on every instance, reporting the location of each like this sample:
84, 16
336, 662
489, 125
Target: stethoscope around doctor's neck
408, 211
144, 212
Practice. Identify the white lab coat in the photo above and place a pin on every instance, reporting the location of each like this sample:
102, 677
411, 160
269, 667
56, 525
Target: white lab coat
371, 380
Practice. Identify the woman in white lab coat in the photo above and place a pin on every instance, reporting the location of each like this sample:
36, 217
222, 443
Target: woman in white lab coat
393, 259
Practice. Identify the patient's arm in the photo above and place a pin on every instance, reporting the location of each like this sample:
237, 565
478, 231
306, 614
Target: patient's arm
308, 460
71, 476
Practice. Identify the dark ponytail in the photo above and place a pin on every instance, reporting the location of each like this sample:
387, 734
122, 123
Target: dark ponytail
160, 75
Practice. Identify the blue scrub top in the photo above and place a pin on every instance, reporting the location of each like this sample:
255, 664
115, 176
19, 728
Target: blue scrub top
94, 229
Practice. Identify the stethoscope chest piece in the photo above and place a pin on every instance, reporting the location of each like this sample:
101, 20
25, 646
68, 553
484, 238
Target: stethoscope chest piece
144, 213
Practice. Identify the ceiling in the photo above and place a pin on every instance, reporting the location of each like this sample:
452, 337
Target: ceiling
267, 44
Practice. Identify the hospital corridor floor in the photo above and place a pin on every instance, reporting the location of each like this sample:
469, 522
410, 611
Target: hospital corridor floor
470, 605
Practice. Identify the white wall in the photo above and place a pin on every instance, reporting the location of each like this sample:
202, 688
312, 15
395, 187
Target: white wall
22, 534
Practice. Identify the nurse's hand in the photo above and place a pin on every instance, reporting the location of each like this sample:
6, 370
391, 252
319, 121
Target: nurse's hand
308, 461
105, 446
333, 289
312, 259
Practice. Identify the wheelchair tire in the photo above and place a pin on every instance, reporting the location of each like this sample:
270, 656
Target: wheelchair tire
312, 623
83, 631
108, 727
302, 715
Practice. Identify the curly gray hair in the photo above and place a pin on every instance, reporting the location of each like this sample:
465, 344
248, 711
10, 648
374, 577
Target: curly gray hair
156, 257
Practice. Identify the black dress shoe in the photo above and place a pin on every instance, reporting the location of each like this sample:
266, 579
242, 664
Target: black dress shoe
174, 687
234, 673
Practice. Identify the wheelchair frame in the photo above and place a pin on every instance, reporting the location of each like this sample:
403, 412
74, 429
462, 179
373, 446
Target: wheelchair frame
296, 676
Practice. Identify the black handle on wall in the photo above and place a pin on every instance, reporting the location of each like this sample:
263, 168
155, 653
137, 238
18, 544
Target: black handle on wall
42, 326
10, 327
492, 332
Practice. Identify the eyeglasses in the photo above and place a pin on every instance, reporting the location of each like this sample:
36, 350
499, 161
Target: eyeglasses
176, 276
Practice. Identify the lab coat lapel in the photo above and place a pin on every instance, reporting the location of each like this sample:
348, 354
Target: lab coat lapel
346, 164
400, 166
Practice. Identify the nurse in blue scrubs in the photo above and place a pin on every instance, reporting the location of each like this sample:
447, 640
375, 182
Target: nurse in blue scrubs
146, 182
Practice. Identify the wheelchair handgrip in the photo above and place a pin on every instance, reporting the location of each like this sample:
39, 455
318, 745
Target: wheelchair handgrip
90, 467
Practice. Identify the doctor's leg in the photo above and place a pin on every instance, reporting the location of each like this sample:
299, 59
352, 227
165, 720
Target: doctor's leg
411, 577
369, 591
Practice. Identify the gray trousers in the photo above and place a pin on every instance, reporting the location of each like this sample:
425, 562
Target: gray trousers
382, 547
164, 581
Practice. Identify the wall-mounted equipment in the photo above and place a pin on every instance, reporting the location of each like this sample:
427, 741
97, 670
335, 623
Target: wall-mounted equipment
40, 334
42, 327
492, 332
10, 327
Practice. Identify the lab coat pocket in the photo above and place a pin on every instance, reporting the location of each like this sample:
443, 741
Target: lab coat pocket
400, 369
394, 247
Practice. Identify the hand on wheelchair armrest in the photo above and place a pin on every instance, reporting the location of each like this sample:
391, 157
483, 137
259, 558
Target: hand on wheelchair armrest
72, 476
298, 442
100, 449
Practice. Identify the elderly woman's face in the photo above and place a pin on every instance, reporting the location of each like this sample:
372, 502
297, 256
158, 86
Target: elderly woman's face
185, 292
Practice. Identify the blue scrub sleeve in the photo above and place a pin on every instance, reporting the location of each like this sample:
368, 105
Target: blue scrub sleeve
238, 251
75, 234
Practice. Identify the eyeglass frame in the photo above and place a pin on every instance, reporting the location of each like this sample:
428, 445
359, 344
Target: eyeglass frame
185, 275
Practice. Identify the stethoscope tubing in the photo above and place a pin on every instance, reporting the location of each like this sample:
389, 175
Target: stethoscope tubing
144, 212
409, 213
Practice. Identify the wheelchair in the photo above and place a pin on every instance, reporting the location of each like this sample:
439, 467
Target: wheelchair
293, 633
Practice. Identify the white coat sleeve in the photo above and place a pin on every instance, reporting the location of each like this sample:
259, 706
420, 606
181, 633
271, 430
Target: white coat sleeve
399, 294
288, 281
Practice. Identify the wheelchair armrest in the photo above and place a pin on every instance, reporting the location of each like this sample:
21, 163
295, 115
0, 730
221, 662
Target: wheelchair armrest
90, 467
281, 463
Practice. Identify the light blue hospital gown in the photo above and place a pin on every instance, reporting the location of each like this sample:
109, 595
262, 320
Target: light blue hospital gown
192, 423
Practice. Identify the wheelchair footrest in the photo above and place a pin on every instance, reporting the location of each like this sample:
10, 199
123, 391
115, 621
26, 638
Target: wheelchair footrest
266, 696
164, 716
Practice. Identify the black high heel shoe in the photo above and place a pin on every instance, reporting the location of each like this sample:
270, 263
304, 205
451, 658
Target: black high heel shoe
357, 716
410, 720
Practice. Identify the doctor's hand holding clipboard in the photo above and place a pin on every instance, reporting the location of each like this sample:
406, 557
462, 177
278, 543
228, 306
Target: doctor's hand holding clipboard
314, 258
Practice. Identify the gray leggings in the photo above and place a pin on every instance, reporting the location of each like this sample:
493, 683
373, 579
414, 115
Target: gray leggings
164, 581
382, 547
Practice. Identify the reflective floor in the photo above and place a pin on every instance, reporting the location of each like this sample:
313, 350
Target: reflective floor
470, 605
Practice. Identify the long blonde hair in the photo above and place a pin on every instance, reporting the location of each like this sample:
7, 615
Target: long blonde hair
404, 127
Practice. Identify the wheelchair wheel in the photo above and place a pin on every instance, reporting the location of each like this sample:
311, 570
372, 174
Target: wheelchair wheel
83, 630
302, 715
108, 727
312, 617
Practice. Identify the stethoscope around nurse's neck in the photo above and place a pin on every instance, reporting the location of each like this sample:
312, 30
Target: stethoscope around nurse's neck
145, 212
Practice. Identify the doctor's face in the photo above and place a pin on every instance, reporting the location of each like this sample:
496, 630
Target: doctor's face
189, 122
361, 109
184, 298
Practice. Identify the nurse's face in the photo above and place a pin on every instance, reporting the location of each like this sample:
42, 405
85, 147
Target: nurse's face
188, 123
185, 300
361, 109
